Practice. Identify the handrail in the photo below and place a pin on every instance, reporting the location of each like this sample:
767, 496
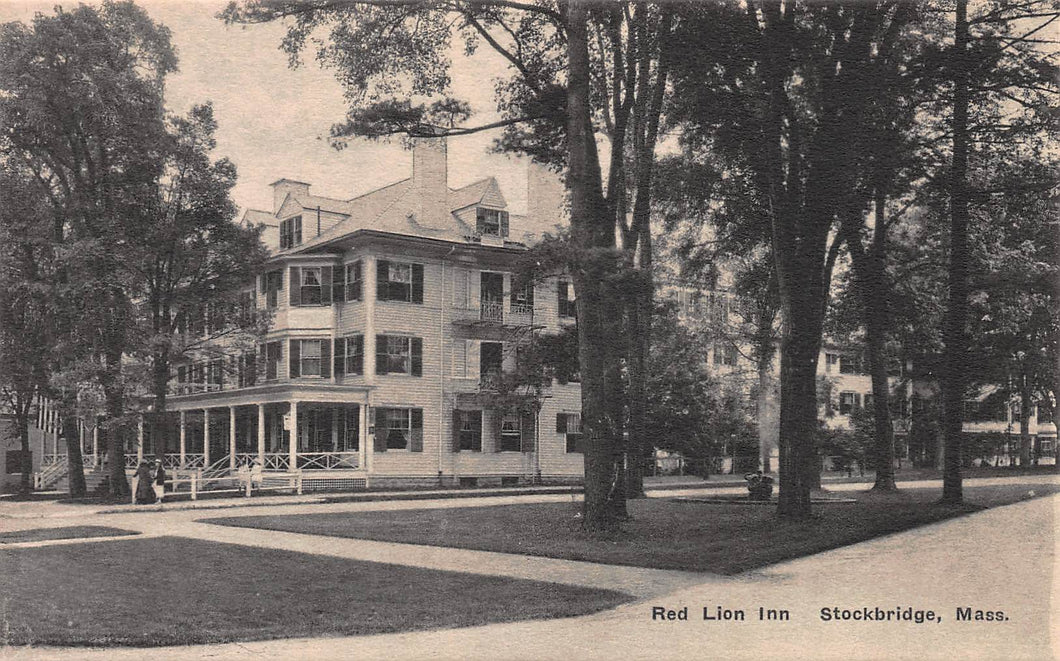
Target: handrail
492, 311
50, 474
326, 460
218, 468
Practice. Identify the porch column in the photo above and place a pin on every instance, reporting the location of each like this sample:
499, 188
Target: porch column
261, 435
366, 452
183, 438
140, 440
293, 437
334, 429
205, 438
95, 444
231, 438
81, 434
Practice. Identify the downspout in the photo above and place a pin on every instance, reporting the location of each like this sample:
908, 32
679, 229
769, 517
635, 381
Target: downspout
318, 220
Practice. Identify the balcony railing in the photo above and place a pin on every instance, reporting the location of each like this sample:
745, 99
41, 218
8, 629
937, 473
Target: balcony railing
492, 311
523, 309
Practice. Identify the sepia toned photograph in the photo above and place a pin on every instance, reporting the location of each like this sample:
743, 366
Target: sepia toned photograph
529, 329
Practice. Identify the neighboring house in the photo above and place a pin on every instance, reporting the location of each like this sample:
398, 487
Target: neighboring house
393, 313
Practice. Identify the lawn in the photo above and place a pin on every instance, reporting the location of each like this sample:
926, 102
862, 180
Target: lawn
175, 591
665, 534
67, 532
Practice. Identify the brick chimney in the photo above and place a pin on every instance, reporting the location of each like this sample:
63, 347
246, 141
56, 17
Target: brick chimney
281, 188
430, 181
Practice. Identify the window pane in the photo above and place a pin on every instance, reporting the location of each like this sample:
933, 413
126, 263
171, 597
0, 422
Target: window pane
311, 277
401, 273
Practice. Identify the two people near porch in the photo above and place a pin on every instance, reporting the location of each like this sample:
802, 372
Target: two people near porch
149, 484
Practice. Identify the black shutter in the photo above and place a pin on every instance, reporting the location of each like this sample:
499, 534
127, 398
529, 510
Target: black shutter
561, 289
561, 423
251, 368
358, 363
416, 356
279, 280
340, 356
416, 435
480, 221
526, 433
382, 280
457, 425
295, 368
296, 286
326, 278
357, 282
417, 283
325, 359
504, 223
380, 416
381, 362
338, 286
262, 282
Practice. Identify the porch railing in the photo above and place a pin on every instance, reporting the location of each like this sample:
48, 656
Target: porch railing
328, 460
276, 461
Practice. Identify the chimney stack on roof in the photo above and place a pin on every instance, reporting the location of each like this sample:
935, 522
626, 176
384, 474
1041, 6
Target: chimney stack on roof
282, 187
430, 180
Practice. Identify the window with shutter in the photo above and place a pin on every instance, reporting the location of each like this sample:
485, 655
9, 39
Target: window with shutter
399, 281
397, 354
273, 356
567, 305
399, 429
312, 284
570, 425
290, 232
353, 281
355, 355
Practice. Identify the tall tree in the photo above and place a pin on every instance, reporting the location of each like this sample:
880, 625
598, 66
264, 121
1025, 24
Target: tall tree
785, 97
81, 98
576, 70
195, 258
26, 315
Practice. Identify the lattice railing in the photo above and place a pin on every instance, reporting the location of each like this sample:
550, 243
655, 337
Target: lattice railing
276, 461
328, 460
492, 311
523, 309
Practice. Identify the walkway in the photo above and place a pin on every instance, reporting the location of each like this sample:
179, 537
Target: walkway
1000, 559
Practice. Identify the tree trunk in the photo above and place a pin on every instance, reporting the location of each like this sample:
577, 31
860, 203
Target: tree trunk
1026, 402
75, 465
160, 386
798, 416
768, 429
957, 312
592, 230
871, 278
26, 484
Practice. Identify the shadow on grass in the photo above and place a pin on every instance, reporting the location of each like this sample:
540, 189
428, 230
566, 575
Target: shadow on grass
176, 591
663, 534
66, 532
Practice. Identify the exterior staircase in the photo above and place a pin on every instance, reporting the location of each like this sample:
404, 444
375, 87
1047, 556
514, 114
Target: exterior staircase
94, 481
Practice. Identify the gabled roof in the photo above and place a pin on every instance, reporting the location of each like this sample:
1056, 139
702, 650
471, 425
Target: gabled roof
258, 217
484, 191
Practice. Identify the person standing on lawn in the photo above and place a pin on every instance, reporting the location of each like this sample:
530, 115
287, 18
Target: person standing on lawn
160, 480
143, 491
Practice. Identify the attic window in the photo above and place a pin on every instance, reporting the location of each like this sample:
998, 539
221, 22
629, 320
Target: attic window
492, 222
290, 232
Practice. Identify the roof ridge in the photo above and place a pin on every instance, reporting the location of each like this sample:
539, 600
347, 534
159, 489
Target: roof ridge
377, 190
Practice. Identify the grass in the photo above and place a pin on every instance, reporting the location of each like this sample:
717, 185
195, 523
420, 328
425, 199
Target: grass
176, 591
664, 534
68, 532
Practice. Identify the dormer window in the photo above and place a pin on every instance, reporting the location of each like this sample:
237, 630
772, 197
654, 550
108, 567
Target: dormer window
290, 232
492, 222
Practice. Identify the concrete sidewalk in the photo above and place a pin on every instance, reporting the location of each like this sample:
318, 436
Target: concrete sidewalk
997, 560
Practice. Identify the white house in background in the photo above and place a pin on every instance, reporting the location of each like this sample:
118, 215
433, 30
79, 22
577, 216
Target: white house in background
392, 313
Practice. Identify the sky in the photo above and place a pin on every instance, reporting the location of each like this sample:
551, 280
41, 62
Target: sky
273, 120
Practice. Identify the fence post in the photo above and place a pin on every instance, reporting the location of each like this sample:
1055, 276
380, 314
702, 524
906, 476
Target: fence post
298, 482
248, 483
194, 485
